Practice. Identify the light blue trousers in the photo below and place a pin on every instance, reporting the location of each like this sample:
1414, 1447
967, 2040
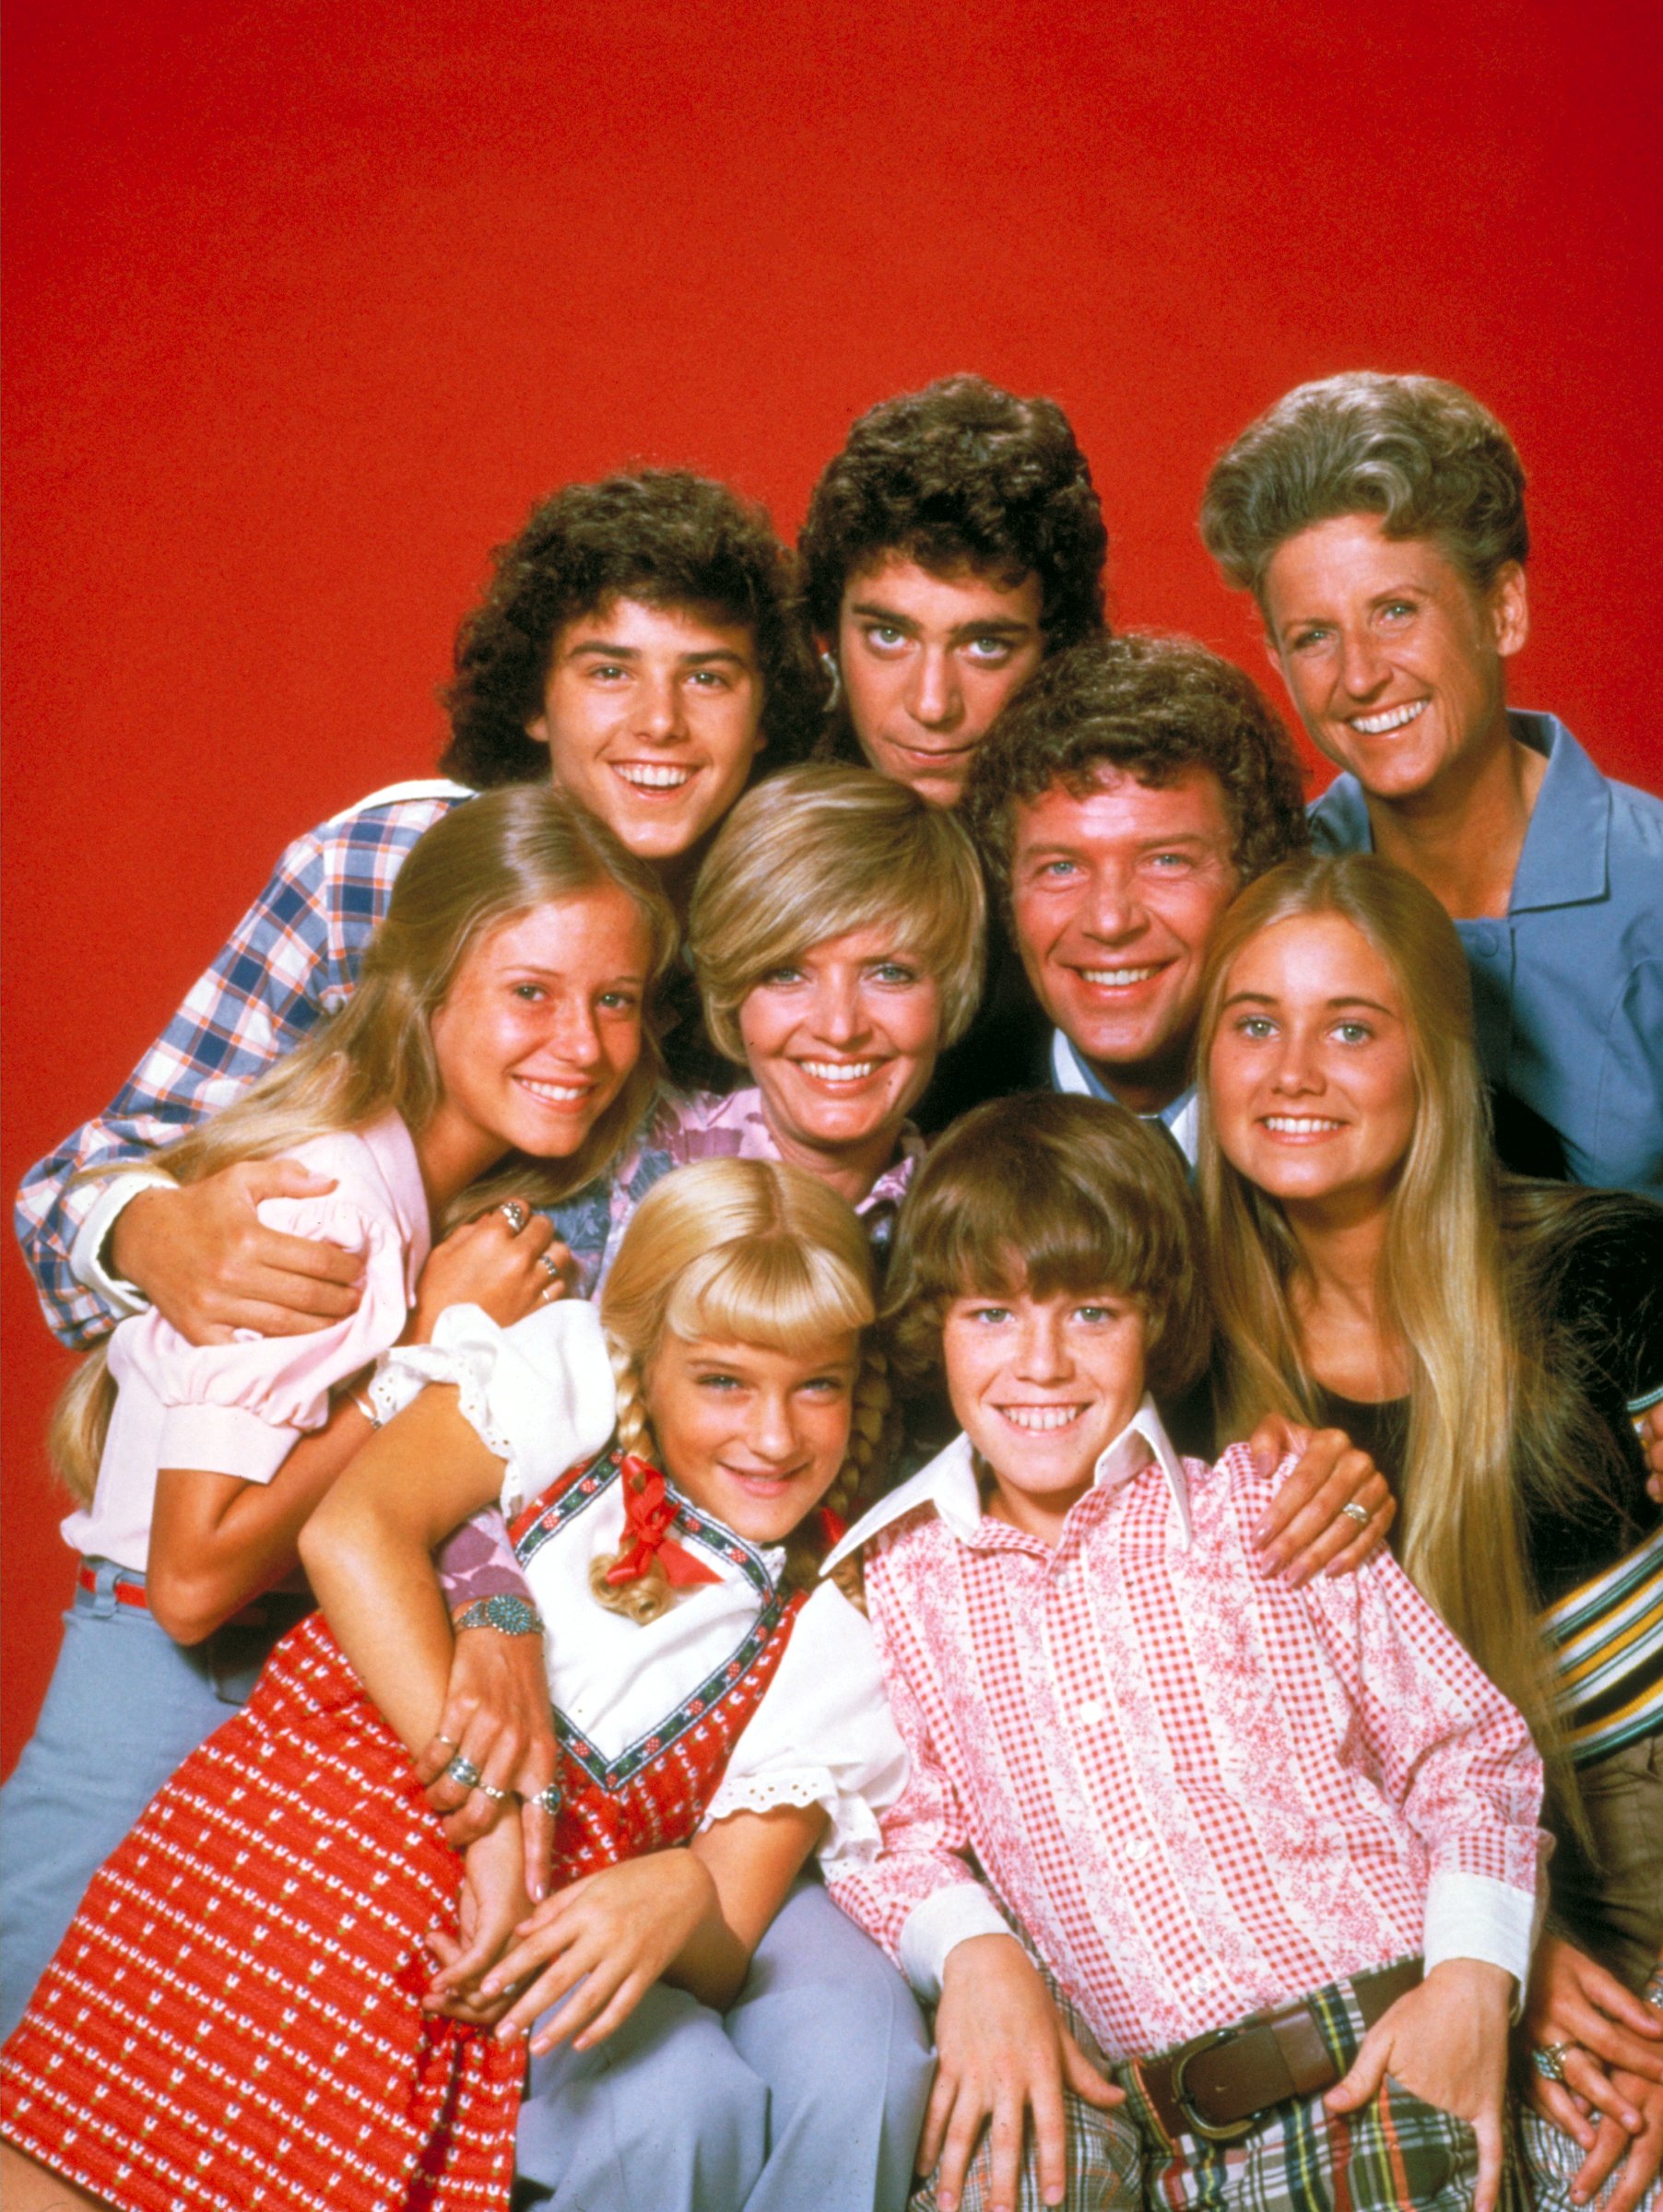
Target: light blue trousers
124, 1706
807, 2097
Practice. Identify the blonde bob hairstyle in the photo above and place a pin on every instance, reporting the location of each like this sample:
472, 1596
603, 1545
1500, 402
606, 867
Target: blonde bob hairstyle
823, 851
1491, 1424
483, 865
741, 1251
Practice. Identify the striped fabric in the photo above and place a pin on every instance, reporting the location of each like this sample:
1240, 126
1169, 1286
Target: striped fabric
1608, 1644
291, 959
1552, 2161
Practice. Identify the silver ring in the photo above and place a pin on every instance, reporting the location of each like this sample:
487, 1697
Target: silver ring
1550, 2060
547, 1799
463, 1772
497, 1796
514, 1213
546, 1295
550, 1266
1359, 1513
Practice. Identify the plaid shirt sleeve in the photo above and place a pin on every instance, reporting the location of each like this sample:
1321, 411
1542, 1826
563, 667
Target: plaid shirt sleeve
927, 1839
292, 958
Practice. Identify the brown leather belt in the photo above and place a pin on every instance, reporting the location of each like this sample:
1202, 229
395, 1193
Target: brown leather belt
1217, 2084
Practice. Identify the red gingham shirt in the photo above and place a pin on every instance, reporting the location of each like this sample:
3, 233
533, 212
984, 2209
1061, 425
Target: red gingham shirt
1198, 1792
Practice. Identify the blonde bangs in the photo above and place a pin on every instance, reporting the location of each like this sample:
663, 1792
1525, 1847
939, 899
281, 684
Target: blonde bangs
775, 1291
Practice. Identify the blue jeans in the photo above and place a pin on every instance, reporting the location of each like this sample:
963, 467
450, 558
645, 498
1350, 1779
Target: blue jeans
124, 1705
809, 2093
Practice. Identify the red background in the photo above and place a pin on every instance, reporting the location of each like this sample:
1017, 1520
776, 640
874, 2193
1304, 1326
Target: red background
308, 302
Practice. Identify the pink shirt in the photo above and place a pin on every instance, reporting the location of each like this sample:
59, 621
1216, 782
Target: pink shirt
1200, 1792
240, 1409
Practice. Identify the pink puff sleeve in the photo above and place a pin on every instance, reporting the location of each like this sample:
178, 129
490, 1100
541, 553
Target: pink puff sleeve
240, 1409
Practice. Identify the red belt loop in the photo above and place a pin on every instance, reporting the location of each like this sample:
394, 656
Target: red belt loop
126, 1593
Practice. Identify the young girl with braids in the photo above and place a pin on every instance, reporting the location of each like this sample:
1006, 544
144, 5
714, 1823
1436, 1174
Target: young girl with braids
671, 1466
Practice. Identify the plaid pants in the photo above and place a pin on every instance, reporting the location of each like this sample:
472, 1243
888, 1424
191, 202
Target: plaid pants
1396, 2154
1552, 2161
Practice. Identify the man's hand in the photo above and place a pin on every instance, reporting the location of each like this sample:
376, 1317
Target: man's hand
487, 1262
1002, 2052
210, 1265
497, 1714
601, 1943
1572, 2000
1307, 1528
1447, 2043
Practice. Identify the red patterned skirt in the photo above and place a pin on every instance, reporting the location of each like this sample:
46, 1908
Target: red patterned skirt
233, 2022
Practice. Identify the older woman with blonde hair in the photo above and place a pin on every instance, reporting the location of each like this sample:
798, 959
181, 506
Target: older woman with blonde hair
837, 931
1488, 1340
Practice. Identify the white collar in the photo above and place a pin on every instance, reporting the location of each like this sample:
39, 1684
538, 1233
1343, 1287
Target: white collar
1070, 1074
949, 1483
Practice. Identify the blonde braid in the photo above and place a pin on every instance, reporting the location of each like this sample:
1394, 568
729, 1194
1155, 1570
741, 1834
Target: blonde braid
650, 1593
868, 1439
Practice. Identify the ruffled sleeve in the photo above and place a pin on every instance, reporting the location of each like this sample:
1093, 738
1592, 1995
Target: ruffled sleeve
240, 1409
822, 1736
540, 1395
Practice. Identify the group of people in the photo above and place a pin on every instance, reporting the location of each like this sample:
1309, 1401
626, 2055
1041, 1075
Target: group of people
857, 1434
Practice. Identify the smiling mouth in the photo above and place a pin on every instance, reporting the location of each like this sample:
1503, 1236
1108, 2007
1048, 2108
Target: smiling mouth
651, 775
555, 1094
840, 1071
1389, 719
1115, 978
1300, 1124
1040, 1421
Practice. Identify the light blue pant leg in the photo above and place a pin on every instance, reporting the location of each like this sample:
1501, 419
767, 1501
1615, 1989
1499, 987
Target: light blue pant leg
826, 2022
810, 2093
664, 2116
126, 1704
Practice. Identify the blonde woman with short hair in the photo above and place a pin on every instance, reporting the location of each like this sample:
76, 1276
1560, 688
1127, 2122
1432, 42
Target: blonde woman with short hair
837, 931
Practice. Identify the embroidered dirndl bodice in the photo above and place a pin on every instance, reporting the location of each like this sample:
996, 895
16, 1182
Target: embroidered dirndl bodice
654, 1793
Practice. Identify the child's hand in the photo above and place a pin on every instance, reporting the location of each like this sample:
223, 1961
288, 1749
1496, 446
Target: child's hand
493, 1903
1001, 2052
488, 1262
615, 1933
496, 1716
1447, 2043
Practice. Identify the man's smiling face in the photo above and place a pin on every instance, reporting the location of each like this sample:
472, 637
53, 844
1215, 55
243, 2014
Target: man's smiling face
1116, 891
652, 716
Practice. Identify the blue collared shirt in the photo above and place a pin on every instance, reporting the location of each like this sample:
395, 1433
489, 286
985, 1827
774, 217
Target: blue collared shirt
1568, 985
1070, 1072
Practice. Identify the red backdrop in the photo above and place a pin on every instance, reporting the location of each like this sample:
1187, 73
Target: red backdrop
307, 302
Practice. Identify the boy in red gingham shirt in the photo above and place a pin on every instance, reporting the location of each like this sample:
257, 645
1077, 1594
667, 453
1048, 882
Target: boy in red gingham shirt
1266, 1853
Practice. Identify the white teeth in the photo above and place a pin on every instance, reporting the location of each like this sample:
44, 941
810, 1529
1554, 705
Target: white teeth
558, 1094
646, 776
840, 1071
1117, 977
1299, 1124
1394, 718
1039, 1417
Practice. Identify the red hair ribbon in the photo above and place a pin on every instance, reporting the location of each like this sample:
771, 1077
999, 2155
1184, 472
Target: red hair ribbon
649, 1515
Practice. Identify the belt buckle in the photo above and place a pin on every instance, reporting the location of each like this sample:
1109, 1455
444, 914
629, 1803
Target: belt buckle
1233, 2130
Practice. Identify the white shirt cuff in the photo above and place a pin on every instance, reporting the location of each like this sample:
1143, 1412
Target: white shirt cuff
945, 1917
86, 1254
1470, 1916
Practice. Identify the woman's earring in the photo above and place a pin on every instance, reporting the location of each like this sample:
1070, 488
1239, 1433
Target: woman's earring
835, 676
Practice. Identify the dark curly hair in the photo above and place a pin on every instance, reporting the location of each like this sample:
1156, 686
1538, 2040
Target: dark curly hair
1150, 707
662, 536
961, 474
1421, 453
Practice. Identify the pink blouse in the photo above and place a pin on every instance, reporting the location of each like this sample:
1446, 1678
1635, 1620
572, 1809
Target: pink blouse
240, 1409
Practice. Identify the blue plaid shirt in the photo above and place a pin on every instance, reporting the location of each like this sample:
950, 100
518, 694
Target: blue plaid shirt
292, 958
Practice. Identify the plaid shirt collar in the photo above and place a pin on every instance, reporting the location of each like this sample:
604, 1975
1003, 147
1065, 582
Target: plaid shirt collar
949, 1483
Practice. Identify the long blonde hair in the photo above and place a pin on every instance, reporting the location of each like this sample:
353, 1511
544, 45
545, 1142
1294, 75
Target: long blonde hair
1483, 1401
479, 867
745, 1252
